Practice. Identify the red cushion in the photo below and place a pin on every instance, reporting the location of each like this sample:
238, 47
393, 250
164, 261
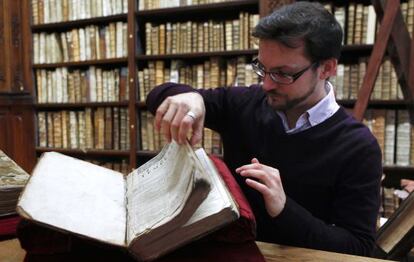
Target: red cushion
244, 229
8, 225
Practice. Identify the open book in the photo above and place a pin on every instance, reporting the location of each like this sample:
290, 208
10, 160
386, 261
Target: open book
174, 198
395, 238
12, 180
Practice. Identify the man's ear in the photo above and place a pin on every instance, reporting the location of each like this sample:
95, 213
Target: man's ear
328, 68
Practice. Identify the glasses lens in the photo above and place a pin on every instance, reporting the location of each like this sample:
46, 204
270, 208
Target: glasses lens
257, 70
281, 79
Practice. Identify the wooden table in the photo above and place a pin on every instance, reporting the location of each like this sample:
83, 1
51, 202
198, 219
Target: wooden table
10, 251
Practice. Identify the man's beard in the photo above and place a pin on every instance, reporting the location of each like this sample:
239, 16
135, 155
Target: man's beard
289, 103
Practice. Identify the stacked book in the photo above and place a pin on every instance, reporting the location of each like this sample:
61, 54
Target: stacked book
12, 180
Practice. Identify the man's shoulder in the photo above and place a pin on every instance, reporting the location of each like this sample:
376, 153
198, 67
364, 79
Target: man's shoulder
356, 132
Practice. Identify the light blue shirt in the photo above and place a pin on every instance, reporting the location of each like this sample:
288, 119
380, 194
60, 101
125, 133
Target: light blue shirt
315, 115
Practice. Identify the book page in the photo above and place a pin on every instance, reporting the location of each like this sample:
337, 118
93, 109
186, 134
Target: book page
157, 191
76, 196
218, 198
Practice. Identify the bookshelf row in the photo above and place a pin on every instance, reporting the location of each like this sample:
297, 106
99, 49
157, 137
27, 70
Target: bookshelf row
98, 128
212, 73
349, 79
208, 36
157, 4
53, 11
394, 134
94, 84
81, 44
107, 128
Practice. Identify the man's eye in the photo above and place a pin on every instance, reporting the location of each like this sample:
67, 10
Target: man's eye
281, 74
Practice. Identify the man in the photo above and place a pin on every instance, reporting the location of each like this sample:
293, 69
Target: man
309, 170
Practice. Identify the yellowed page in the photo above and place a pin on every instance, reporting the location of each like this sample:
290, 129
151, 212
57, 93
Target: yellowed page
76, 196
157, 191
218, 198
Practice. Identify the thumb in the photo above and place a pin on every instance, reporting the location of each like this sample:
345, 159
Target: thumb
255, 161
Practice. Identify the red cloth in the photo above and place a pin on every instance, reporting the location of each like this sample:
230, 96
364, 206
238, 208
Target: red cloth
235, 242
244, 229
8, 225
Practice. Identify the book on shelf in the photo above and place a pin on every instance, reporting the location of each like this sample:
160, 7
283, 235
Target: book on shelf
175, 198
12, 180
395, 237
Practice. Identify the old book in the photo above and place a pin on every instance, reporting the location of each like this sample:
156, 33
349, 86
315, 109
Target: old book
350, 24
395, 237
12, 180
403, 138
389, 143
42, 127
181, 202
359, 14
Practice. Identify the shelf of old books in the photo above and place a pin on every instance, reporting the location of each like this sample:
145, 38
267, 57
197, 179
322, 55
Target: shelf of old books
85, 151
65, 25
80, 68
110, 62
52, 106
187, 9
197, 55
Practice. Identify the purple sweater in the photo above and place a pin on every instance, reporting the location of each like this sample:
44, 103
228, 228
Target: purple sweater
330, 172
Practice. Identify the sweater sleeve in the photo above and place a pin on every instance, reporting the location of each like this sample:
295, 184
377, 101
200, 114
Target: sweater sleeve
354, 212
221, 103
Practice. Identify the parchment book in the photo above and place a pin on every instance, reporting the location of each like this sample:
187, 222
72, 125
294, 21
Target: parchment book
175, 198
12, 180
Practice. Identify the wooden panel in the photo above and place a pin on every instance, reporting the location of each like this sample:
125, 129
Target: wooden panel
3, 131
15, 46
11, 51
17, 129
4, 86
23, 144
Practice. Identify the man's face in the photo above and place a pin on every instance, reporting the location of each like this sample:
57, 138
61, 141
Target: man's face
275, 57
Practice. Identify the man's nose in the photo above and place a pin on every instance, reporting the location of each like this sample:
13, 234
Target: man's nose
268, 83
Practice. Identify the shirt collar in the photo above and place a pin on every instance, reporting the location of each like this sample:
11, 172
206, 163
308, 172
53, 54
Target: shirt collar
325, 108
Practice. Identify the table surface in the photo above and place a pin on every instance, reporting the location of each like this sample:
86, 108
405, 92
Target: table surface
10, 251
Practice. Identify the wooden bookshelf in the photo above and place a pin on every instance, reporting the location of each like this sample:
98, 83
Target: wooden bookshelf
203, 55
85, 152
377, 104
60, 26
192, 11
101, 62
52, 106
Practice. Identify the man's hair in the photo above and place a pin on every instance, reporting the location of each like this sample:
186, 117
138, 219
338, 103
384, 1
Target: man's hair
303, 22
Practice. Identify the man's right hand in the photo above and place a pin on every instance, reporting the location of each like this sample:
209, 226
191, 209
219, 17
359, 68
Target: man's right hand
180, 114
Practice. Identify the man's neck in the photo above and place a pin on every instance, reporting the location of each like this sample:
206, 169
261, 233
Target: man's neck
292, 115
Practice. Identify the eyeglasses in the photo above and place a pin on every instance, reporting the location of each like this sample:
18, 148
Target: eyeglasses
279, 77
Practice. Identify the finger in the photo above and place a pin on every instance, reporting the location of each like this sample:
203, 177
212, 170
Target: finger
247, 167
263, 189
166, 121
184, 128
265, 178
197, 131
409, 188
161, 110
255, 161
176, 124
404, 182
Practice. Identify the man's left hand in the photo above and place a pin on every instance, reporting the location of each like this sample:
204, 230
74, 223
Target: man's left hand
267, 181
